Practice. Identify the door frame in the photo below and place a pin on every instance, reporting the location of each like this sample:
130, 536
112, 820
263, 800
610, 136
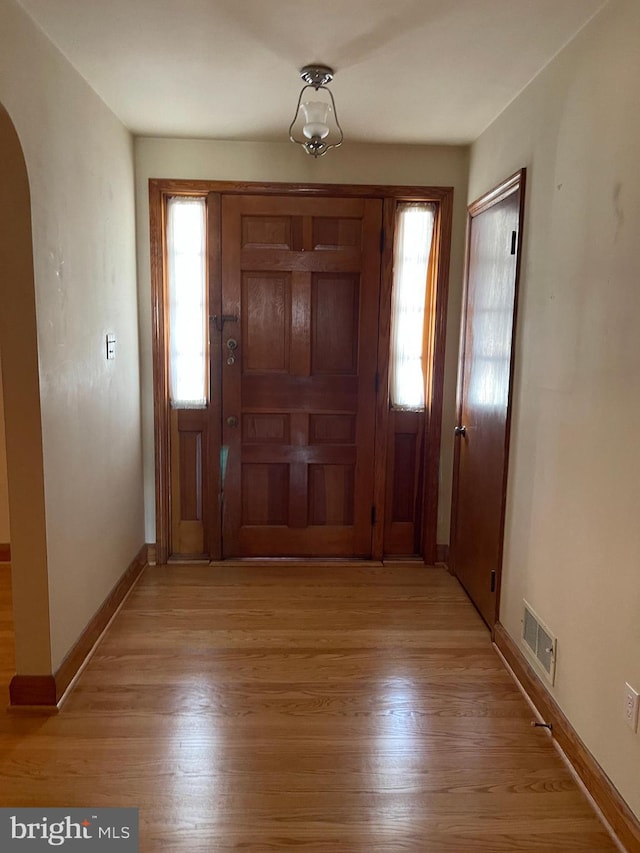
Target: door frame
161, 189
501, 191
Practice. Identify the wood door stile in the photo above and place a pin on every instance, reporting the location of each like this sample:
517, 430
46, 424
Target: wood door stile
299, 398
383, 378
214, 270
435, 334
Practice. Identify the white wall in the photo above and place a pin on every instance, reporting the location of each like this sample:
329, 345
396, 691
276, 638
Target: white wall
80, 164
4, 485
572, 537
255, 161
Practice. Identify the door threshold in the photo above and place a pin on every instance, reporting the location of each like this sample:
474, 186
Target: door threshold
412, 560
297, 561
178, 560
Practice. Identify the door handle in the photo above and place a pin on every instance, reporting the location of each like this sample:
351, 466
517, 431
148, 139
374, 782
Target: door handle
219, 321
232, 421
460, 430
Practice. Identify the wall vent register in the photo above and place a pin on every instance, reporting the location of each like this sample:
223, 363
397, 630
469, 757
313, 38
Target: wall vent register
539, 643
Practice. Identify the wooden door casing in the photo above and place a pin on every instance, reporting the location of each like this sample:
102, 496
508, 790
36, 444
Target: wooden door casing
484, 392
299, 396
204, 441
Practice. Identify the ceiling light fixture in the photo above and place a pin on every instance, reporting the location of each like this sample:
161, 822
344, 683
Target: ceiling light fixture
315, 123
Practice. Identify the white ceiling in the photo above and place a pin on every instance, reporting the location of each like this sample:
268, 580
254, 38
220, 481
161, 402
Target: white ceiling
409, 71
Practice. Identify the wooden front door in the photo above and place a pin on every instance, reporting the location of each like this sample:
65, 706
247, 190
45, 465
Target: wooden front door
302, 276
484, 392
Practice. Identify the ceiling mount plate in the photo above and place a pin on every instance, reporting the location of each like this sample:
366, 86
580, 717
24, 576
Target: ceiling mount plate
316, 75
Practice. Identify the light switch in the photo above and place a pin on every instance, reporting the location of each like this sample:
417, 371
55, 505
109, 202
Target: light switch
111, 346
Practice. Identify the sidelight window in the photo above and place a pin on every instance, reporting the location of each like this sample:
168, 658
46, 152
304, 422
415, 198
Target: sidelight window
186, 281
411, 253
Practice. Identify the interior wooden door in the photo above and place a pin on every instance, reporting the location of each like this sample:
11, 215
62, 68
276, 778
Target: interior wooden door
484, 392
302, 276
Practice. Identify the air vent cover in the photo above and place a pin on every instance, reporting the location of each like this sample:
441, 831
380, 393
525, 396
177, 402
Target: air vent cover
539, 643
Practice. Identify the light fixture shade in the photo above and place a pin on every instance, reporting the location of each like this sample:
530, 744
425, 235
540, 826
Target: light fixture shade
316, 114
315, 123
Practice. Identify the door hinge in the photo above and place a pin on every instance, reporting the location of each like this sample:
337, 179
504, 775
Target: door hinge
381, 240
493, 580
374, 515
514, 241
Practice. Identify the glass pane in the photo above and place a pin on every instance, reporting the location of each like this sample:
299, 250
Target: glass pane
186, 257
414, 231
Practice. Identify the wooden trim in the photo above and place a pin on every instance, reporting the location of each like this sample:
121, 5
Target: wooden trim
76, 658
433, 427
169, 186
504, 189
442, 554
159, 190
382, 402
5, 552
161, 425
616, 811
151, 554
31, 690
48, 690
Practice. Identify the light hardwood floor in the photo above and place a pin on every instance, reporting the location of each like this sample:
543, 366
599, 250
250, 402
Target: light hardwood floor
315, 708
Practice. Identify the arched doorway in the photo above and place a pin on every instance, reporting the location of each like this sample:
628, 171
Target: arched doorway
25, 474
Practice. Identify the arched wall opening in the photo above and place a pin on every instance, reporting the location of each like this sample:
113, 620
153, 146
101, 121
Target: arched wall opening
21, 392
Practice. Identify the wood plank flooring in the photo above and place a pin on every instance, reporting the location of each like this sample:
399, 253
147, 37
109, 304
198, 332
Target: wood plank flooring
315, 708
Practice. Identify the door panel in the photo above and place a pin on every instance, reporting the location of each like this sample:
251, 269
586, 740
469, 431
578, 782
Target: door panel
334, 340
484, 397
302, 276
190, 492
266, 322
404, 482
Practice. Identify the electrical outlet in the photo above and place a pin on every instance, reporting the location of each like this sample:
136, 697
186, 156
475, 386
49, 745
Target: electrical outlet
631, 706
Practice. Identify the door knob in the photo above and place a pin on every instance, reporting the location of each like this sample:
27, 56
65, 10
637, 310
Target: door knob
232, 346
232, 421
460, 430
